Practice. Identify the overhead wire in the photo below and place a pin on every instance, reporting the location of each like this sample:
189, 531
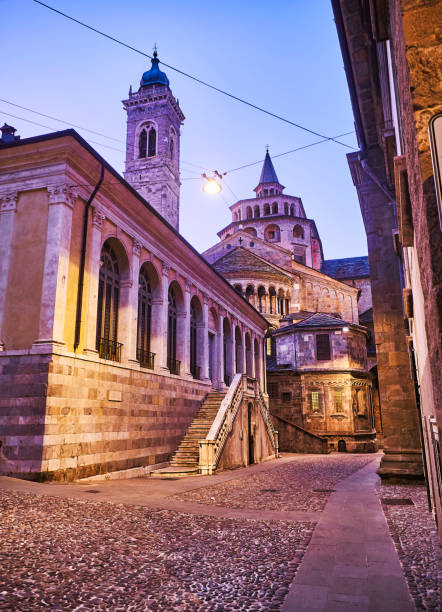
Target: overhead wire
190, 76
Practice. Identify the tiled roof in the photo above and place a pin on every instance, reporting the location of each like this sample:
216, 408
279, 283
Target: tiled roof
349, 267
240, 258
321, 319
268, 174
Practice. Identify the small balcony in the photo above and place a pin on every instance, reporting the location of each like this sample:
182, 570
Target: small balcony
109, 349
146, 359
174, 366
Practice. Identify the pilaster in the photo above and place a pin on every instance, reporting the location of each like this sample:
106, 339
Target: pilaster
205, 355
8, 208
93, 272
56, 266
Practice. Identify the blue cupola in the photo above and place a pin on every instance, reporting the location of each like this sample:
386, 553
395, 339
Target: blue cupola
154, 76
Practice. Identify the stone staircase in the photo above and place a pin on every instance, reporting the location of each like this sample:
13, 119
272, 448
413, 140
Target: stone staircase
185, 460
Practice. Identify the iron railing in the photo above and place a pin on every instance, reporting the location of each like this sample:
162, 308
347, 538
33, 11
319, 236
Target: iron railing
109, 349
146, 358
174, 366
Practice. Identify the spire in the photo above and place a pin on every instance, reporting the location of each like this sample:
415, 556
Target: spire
268, 174
268, 178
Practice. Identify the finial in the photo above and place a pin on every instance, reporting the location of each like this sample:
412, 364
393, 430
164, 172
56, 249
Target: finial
267, 149
155, 54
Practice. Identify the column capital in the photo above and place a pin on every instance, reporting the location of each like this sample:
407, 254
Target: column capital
166, 270
98, 216
136, 247
205, 299
8, 201
62, 194
188, 286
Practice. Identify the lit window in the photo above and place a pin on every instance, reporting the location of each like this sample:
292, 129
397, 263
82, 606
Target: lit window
315, 401
338, 400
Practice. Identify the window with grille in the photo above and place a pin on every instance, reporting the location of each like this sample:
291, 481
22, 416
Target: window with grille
108, 296
272, 388
171, 330
338, 400
144, 317
315, 401
322, 347
193, 342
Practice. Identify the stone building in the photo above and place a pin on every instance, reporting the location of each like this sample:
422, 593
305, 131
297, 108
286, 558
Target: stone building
116, 335
319, 384
392, 57
272, 254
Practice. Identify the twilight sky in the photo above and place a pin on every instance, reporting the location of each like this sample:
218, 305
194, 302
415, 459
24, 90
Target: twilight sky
283, 56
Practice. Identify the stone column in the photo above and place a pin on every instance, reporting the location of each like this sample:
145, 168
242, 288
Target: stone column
205, 331
244, 352
160, 346
220, 351
233, 350
252, 349
56, 266
8, 208
92, 275
184, 335
130, 338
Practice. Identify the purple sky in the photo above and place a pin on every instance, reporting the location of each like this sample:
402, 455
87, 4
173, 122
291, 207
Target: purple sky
283, 56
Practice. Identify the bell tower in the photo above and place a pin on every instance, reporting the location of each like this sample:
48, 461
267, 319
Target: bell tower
154, 118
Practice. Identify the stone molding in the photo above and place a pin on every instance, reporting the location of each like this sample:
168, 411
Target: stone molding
98, 217
8, 201
62, 194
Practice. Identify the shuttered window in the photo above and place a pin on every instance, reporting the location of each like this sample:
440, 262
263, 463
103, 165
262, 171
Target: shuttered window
144, 312
108, 296
322, 347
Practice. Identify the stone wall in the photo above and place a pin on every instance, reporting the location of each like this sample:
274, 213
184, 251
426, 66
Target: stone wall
66, 418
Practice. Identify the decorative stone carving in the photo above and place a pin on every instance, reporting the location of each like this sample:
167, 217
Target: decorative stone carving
166, 270
136, 247
188, 286
62, 194
8, 201
98, 217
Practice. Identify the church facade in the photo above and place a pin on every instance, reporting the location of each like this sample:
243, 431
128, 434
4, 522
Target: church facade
319, 379
115, 334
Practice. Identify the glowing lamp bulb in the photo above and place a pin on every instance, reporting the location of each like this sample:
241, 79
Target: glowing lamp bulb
211, 186
345, 329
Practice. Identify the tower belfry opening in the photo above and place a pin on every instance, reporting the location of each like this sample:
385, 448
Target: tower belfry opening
152, 165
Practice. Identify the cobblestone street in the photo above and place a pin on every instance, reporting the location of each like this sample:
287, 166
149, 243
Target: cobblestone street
87, 547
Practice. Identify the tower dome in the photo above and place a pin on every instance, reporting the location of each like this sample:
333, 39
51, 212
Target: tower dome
154, 76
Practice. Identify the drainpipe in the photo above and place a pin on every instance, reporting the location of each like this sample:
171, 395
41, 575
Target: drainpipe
83, 260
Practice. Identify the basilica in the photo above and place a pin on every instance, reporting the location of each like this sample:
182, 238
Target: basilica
123, 351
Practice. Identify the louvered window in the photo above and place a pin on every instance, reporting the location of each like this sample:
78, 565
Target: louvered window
152, 149
144, 356
143, 144
322, 347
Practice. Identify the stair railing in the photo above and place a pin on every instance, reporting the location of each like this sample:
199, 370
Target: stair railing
265, 413
211, 448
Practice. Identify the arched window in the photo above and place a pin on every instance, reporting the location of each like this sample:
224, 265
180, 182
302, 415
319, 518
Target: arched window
171, 148
286, 208
298, 232
249, 213
172, 363
142, 144
292, 210
144, 356
152, 147
275, 208
238, 289
257, 212
271, 191
227, 355
249, 292
194, 369
251, 231
265, 192
266, 209
272, 233
107, 311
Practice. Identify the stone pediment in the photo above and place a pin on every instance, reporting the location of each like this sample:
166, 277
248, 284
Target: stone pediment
239, 259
